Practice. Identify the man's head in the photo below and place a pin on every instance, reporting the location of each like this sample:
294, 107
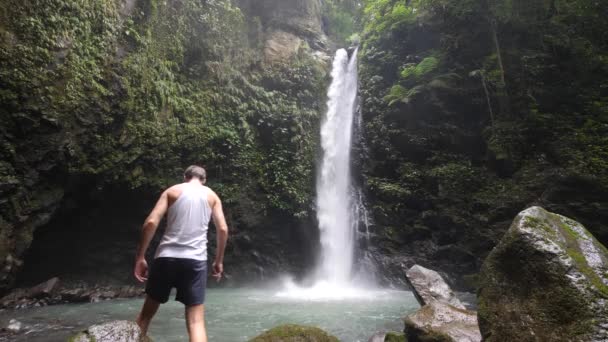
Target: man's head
195, 171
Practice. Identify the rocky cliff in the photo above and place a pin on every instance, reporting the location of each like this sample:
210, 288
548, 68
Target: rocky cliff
104, 103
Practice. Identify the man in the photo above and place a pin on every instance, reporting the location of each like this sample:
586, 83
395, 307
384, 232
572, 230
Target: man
181, 257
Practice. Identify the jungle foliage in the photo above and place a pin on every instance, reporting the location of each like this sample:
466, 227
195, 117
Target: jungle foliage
476, 108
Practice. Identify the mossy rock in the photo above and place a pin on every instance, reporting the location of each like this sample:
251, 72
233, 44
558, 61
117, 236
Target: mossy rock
394, 337
294, 333
545, 281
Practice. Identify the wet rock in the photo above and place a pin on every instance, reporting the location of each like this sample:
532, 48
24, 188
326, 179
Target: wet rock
44, 289
377, 337
547, 280
14, 326
439, 321
50, 293
115, 331
95, 294
294, 333
442, 316
39, 291
429, 286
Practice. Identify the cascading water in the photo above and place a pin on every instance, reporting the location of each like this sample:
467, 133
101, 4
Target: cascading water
335, 210
340, 208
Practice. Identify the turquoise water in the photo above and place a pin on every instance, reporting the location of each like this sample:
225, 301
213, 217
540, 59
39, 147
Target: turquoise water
232, 315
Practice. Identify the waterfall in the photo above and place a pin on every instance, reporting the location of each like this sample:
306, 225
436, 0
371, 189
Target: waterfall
336, 211
341, 210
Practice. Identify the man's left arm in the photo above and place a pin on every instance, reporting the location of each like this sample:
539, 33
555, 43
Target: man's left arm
147, 233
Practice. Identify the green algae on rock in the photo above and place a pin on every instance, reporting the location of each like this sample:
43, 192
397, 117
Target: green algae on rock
546, 280
394, 337
294, 333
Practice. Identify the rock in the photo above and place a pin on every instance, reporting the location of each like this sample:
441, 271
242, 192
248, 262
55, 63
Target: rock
547, 280
442, 316
287, 25
44, 289
429, 286
75, 295
13, 326
439, 321
115, 331
294, 333
39, 291
377, 337
281, 46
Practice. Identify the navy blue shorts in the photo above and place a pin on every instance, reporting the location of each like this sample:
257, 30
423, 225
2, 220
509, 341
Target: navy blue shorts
188, 276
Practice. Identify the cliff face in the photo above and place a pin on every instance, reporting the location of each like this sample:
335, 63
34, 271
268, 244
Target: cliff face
104, 103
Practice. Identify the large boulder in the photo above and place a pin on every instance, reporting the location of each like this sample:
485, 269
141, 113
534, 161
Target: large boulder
547, 280
442, 317
115, 331
294, 333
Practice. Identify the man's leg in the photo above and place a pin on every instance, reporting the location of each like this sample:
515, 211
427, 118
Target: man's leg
147, 312
195, 321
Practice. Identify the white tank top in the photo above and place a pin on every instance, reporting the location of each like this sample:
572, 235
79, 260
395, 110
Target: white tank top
187, 222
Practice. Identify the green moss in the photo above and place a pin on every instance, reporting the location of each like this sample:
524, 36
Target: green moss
394, 337
572, 248
588, 272
292, 332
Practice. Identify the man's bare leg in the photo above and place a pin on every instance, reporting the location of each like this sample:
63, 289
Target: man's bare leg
195, 321
147, 312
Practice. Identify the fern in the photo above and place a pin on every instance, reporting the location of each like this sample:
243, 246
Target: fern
426, 66
396, 94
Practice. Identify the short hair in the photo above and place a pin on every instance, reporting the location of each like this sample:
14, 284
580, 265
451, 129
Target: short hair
195, 171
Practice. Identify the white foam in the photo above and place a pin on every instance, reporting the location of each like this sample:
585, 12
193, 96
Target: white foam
324, 291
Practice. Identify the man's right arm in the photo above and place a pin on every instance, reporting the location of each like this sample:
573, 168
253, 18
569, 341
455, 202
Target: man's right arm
222, 237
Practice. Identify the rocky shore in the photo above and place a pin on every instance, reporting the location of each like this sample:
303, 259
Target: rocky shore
53, 292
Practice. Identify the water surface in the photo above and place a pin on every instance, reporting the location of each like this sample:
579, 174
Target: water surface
232, 315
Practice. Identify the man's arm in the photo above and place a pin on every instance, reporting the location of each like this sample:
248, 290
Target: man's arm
147, 233
222, 237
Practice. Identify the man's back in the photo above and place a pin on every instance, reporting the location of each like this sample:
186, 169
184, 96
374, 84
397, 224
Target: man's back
187, 222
